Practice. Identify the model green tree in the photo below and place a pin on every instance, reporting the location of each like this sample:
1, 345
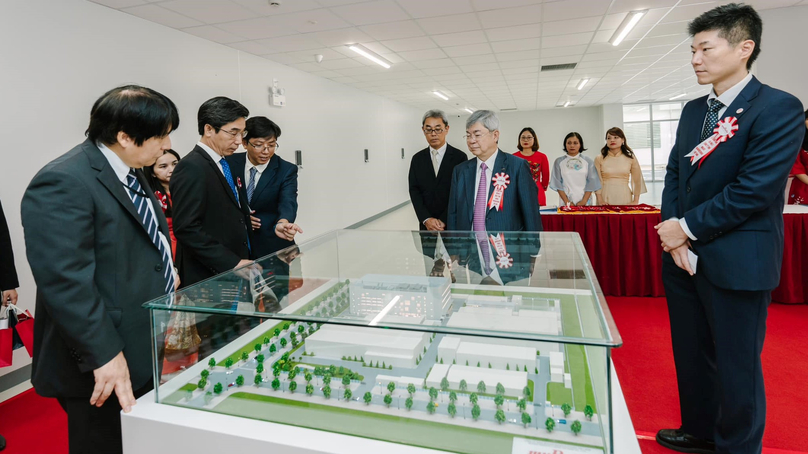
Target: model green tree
277, 332
259, 358
500, 389
228, 363
202, 383
258, 379
452, 396
308, 376
408, 403
481, 387
266, 340
326, 379
205, 373
452, 409
499, 416
430, 407
433, 393
391, 387
566, 408
549, 424
301, 329
473, 398
388, 399
499, 400
240, 380
283, 342
286, 326
309, 389
217, 388
347, 394
276, 383
293, 337
208, 397
526, 419
327, 391
522, 404
257, 348
212, 362
276, 371
463, 385
576, 427
259, 368
444, 384
272, 348
292, 374
588, 412
411, 389
292, 386
475, 412
526, 392
245, 356
367, 398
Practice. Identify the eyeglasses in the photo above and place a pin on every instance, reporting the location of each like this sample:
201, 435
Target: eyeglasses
526, 138
240, 134
265, 146
475, 136
429, 131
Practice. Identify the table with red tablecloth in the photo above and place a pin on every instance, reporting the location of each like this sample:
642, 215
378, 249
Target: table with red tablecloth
627, 257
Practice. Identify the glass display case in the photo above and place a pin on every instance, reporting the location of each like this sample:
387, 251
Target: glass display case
463, 342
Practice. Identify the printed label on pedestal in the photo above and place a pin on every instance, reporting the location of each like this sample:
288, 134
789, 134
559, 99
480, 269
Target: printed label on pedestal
525, 446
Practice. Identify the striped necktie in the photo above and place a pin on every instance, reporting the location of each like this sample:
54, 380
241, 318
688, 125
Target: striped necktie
146, 216
251, 184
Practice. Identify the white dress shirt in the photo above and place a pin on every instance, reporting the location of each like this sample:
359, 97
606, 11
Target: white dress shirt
726, 98
121, 171
217, 158
489, 164
441, 152
259, 170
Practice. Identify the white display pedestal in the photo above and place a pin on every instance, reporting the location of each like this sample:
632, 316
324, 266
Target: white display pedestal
152, 428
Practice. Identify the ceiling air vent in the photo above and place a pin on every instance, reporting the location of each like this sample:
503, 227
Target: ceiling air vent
507, 109
558, 67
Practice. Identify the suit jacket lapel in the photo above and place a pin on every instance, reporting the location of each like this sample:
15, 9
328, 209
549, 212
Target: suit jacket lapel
470, 173
218, 172
268, 175
696, 123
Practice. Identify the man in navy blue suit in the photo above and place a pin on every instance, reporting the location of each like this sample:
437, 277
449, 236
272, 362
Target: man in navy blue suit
270, 185
492, 192
723, 204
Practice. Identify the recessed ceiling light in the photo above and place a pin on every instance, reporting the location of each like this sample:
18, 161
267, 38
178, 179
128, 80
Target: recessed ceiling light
370, 55
582, 83
567, 104
440, 95
678, 96
625, 28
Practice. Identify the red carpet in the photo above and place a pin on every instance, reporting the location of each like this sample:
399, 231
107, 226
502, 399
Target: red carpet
644, 365
35, 425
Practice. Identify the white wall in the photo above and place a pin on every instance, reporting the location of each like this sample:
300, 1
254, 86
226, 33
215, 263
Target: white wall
784, 46
58, 56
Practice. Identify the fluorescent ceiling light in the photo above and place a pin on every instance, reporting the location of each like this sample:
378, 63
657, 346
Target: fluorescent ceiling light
678, 96
625, 28
567, 104
468, 110
440, 95
372, 56
582, 83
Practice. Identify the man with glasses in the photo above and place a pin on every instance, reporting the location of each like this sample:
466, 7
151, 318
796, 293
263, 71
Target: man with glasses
270, 184
211, 214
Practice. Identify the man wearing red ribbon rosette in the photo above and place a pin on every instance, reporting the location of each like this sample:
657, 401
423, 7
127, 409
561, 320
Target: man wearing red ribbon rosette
723, 204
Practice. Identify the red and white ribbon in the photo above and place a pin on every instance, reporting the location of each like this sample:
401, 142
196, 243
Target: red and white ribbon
724, 130
501, 181
504, 260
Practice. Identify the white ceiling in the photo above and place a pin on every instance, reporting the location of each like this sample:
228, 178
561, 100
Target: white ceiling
483, 54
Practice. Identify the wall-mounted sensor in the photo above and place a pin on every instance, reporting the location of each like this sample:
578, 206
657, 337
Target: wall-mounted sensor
299, 159
367, 159
402, 153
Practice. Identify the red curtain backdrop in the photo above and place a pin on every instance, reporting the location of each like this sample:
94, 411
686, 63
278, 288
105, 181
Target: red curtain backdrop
625, 252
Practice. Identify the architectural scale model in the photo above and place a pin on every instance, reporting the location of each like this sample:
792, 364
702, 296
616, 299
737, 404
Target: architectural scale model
480, 392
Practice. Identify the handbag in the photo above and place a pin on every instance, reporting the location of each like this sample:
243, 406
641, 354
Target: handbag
6, 351
23, 324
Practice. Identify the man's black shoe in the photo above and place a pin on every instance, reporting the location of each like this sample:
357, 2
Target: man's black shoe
678, 440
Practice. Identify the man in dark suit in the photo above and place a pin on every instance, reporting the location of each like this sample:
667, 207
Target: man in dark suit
492, 192
723, 203
270, 184
8, 275
431, 173
211, 214
98, 248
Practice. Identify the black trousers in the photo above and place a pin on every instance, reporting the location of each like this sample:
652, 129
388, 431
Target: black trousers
717, 336
95, 430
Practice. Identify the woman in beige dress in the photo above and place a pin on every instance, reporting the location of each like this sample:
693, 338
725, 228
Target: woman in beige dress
619, 172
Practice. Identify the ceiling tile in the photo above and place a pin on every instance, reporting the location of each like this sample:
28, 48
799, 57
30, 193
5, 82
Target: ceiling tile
517, 56
393, 30
529, 63
450, 24
470, 49
340, 64
284, 59
565, 27
254, 48
257, 28
209, 11
420, 55
162, 16
624, 6
510, 17
263, 8
212, 33
517, 45
291, 43
567, 40
341, 37
408, 44
688, 12
371, 12
569, 51
460, 39
442, 63
117, 4
309, 21
571, 9
431, 8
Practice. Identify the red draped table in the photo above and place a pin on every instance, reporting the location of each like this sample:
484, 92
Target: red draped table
625, 252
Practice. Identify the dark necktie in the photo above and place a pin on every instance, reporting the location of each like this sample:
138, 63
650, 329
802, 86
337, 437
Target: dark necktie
149, 223
251, 184
712, 119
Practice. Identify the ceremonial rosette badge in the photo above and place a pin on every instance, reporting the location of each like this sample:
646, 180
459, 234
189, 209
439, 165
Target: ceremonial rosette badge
723, 131
504, 260
501, 181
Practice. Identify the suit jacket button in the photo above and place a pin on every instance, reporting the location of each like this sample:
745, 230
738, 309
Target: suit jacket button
241, 221
158, 268
688, 189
